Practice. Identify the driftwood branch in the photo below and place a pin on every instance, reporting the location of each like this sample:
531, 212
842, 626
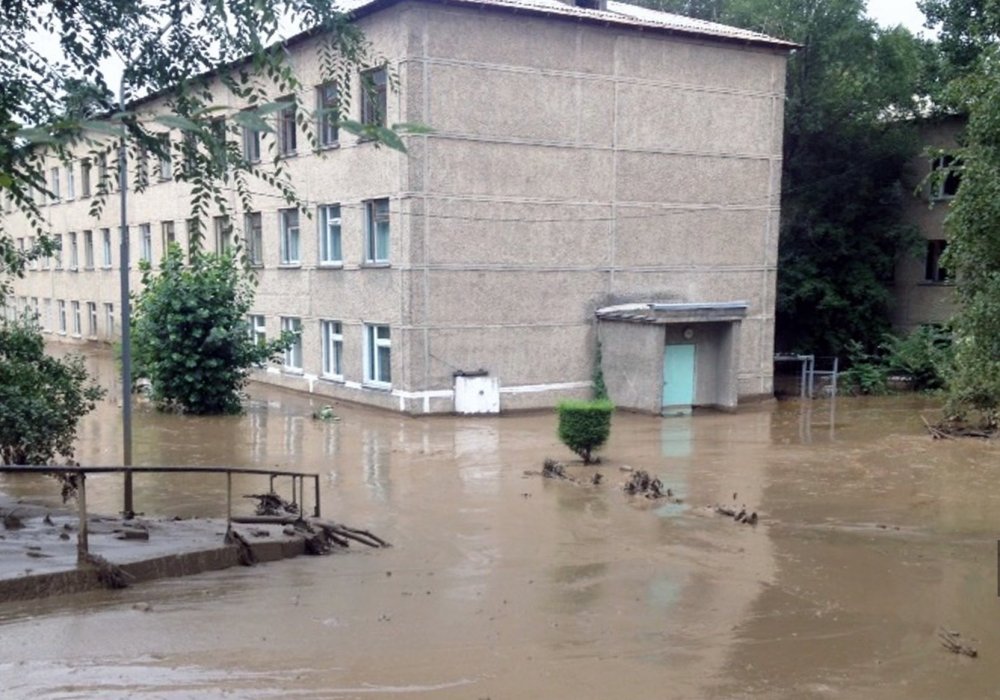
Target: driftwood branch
950, 641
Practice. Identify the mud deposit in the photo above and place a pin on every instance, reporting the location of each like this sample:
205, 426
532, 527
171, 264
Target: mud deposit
871, 538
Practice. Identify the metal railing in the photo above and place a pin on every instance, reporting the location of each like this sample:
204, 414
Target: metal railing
82, 546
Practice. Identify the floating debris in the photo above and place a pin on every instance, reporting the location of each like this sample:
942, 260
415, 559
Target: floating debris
273, 504
950, 641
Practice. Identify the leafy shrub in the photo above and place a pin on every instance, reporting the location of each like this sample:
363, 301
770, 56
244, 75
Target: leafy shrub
191, 338
42, 398
925, 354
585, 425
866, 373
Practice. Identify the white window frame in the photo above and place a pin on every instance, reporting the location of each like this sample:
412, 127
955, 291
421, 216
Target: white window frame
109, 318
287, 128
327, 115
54, 185
330, 235
290, 242
91, 319
88, 250
938, 193
164, 169
74, 252
251, 145
85, 178
253, 234
257, 328
377, 373
77, 320
373, 217
332, 333
70, 183
145, 243
375, 96
168, 235
222, 229
59, 250
292, 360
47, 318
107, 252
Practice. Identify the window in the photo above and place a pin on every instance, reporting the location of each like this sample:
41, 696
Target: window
74, 252
61, 307
329, 235
289, 236
293, 355
84, 178
222, 231
142, 168
377, 231
218, 128
167, 233
327, 114
47, 317
253, 231
945, 186
373, 96
287, 136
70, 182
109, 319
164, 169
933, 272
194, 237
58, 238
32, 264
106, 247
88, 250
333, 349
91, 319
251, 145
377, 355
76, 318
36, 314
257, 328
54, 185
145, 243
102, 173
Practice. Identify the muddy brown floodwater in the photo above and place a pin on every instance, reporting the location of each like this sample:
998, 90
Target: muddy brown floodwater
872, 537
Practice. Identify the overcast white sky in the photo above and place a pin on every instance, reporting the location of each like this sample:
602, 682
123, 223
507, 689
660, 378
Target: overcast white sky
889, 13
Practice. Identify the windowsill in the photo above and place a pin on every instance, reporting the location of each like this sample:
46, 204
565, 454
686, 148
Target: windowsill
256, 265
290, 154
331, 265
931, 283
376, 264
297, 371
333, 378
329, 146
89, 267
105, 267
376, 386
289, 266
62, 332
73, 269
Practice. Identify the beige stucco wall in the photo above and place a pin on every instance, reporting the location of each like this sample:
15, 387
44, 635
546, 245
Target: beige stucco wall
917, 301
569, 164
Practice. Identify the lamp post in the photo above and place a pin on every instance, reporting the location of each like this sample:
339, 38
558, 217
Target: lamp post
126, 307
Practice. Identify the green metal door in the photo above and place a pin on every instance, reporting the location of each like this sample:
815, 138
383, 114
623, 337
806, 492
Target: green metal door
678, 378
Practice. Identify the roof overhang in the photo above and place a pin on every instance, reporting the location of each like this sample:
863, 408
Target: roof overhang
675, 312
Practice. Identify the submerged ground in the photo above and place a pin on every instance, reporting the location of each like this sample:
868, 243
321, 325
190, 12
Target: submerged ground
872, 537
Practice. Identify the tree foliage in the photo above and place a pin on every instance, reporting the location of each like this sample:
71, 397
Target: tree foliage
585, 425
850, 89
973, 222
191, 338
175, 50
43, 398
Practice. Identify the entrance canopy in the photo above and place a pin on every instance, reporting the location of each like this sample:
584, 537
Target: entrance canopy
670, 312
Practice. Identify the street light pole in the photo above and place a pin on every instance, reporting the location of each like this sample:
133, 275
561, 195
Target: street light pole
125, 307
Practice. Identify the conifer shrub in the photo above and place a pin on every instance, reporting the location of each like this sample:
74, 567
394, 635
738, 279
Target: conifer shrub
585, 425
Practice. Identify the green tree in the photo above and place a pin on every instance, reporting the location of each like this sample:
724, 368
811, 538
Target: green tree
969, 44
850, 91
174, 50
43, 398
191, 338
585, 425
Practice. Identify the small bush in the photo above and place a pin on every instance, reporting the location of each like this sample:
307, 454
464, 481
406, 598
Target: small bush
585, 425
867, 373
925, 354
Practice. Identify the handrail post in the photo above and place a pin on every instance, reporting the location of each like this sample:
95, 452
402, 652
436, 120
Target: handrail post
229, 501
316, 483
129, 511
82, 545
